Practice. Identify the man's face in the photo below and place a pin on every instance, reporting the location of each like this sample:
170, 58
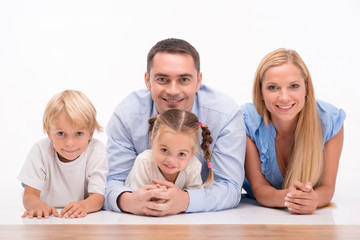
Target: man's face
173, 81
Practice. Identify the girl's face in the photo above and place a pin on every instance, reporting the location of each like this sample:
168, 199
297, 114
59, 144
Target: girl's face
172, 152
68, 140
284, 91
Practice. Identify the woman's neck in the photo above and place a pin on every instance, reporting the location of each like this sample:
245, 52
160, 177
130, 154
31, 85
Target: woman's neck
285, 129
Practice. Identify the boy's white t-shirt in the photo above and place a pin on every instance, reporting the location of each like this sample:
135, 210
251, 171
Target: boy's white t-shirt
60, 183
145, 169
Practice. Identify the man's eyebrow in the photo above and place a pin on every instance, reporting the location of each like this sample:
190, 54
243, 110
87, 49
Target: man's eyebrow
161, 75
185, 75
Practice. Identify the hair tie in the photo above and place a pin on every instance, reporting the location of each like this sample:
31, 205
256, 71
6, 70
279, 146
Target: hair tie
209, 165
158, 115
200, 124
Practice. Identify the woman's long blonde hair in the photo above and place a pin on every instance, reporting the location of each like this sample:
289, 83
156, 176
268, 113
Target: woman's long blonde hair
306, 160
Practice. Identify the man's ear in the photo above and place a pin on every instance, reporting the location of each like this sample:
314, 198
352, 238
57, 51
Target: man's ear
147, 81
199, 81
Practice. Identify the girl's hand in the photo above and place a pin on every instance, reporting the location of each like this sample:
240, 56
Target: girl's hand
74, 210
42, 211
301, 198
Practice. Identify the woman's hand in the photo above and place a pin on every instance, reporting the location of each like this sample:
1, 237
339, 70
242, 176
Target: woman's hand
301, 198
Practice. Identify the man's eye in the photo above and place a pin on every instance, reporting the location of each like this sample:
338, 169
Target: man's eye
161, 80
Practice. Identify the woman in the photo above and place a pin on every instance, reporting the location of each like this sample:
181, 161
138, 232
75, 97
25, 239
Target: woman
294, 142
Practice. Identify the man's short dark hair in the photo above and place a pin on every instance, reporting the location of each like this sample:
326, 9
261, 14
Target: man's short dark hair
173, 45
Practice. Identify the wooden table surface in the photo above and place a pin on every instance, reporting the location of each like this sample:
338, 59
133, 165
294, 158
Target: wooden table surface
196, 231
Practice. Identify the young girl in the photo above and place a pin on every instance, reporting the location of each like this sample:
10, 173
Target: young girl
174, 139
68, 169
294, 141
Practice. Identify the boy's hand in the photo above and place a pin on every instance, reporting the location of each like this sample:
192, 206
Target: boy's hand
42, 211
74, 210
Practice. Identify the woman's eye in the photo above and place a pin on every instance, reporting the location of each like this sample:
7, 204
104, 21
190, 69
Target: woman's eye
271, 87
295, 86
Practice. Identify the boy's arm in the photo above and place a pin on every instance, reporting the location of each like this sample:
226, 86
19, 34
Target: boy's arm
34, 206
79, 209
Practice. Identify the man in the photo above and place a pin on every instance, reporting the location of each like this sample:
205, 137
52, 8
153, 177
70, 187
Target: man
173, 80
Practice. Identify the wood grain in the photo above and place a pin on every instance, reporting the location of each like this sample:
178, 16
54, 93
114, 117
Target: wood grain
218, 231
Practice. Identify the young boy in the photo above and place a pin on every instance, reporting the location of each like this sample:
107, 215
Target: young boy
68, 169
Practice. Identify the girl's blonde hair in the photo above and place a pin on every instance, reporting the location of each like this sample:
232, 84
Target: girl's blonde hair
184, 122
306, 160
76, 105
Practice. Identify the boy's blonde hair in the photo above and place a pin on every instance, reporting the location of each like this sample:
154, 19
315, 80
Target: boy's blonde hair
76, 105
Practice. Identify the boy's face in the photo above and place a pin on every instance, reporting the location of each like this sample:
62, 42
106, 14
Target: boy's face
68, 140
173, 81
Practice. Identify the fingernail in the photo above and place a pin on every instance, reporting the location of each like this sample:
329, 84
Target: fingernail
286, 203
288, 195
308, 187
287, 199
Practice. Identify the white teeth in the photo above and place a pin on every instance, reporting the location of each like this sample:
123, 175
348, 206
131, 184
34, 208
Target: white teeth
285, 107
172, 101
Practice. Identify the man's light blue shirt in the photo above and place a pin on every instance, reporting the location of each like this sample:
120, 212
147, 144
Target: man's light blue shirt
128, 136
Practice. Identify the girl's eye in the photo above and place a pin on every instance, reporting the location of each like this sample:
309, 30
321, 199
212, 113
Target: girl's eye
182, 154
60, 134
79, 133
164, 150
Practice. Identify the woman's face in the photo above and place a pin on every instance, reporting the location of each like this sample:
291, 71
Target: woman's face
284, 90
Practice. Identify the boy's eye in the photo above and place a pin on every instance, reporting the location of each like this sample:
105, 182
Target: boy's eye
60, 134
79, 133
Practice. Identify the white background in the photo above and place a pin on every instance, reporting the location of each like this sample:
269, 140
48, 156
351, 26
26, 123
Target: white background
100, 48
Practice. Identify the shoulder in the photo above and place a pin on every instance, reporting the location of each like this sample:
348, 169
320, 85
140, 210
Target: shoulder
214, 100
43, 147
253, 121
96, 146
137, 102
331, 118
327, 110
194, 166
145, 159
